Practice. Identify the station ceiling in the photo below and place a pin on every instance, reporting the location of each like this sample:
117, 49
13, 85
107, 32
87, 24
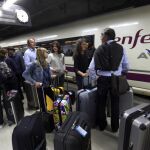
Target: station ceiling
48, 13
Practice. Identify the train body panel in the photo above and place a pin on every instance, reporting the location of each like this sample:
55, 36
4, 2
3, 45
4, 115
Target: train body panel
132, 31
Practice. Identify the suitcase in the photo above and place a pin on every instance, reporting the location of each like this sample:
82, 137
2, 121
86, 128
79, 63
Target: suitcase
71, 93
125, 102
29, 134
72, 96
62, 107
44, 95
86, 102
75, 133
13, 106
31, 94
134, 133
89, 83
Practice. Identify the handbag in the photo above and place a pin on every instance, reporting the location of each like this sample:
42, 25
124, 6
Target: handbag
119, 84
123, 85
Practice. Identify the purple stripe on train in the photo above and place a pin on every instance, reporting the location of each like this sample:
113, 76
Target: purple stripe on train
130, 76
138, 77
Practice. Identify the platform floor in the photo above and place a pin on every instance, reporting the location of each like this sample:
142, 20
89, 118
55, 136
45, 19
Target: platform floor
100, 140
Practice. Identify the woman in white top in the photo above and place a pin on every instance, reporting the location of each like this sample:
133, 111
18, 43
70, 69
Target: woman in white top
56, 61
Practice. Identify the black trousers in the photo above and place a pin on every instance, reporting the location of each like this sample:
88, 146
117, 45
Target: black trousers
79, 80
104, 86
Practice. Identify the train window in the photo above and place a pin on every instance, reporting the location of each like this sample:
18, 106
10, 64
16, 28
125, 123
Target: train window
68, 45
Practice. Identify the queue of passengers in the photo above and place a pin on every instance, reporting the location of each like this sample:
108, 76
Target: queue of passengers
39, 68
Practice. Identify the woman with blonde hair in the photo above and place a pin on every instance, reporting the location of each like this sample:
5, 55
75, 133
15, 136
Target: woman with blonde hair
38, 73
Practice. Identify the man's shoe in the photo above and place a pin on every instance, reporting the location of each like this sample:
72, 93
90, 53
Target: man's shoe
10, 123
114, 130
103, 126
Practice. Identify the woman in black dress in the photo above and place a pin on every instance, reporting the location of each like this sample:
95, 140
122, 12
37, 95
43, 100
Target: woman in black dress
81, 62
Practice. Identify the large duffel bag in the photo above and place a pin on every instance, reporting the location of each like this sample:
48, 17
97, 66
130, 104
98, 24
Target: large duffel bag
74, 134
29, 134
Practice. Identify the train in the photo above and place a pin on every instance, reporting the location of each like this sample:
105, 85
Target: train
132, 32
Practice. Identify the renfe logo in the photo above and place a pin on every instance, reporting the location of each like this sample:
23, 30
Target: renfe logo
133, 40
144, 55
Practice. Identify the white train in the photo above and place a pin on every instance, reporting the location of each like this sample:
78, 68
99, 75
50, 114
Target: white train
132, 28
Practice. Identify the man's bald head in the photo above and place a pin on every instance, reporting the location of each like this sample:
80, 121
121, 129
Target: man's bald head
31, 43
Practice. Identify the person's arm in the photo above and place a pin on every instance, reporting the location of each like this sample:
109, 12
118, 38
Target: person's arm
91, 69
27, 59
27, 74
64, 66
49, 60
21, 62
125, 62
11, 65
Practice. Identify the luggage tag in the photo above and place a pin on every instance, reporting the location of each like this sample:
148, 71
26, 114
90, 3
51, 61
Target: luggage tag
81, 131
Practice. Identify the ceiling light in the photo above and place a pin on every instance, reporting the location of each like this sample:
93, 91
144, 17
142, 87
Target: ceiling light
124, 25
14, 43
1, 13
90, 30
47, 37
8, 4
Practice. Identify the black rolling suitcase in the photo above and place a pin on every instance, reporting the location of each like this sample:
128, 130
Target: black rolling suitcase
47, 116
32, 96
13, 106
29, 134
74, 134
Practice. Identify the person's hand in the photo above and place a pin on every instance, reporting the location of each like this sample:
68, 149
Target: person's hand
38, 84
53, 76
84, 74
54, 70
66, 71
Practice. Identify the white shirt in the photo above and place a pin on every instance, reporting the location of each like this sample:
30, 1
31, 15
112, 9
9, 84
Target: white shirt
56, 62
29, 56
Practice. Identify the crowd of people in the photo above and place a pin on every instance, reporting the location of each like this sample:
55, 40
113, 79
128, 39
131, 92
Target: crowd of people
41, 68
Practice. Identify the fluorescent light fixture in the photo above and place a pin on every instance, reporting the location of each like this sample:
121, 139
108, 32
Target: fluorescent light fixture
124, 25
14, 43
1, 13
90, 30
47, 37
22, 42
2, 44
8, 4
